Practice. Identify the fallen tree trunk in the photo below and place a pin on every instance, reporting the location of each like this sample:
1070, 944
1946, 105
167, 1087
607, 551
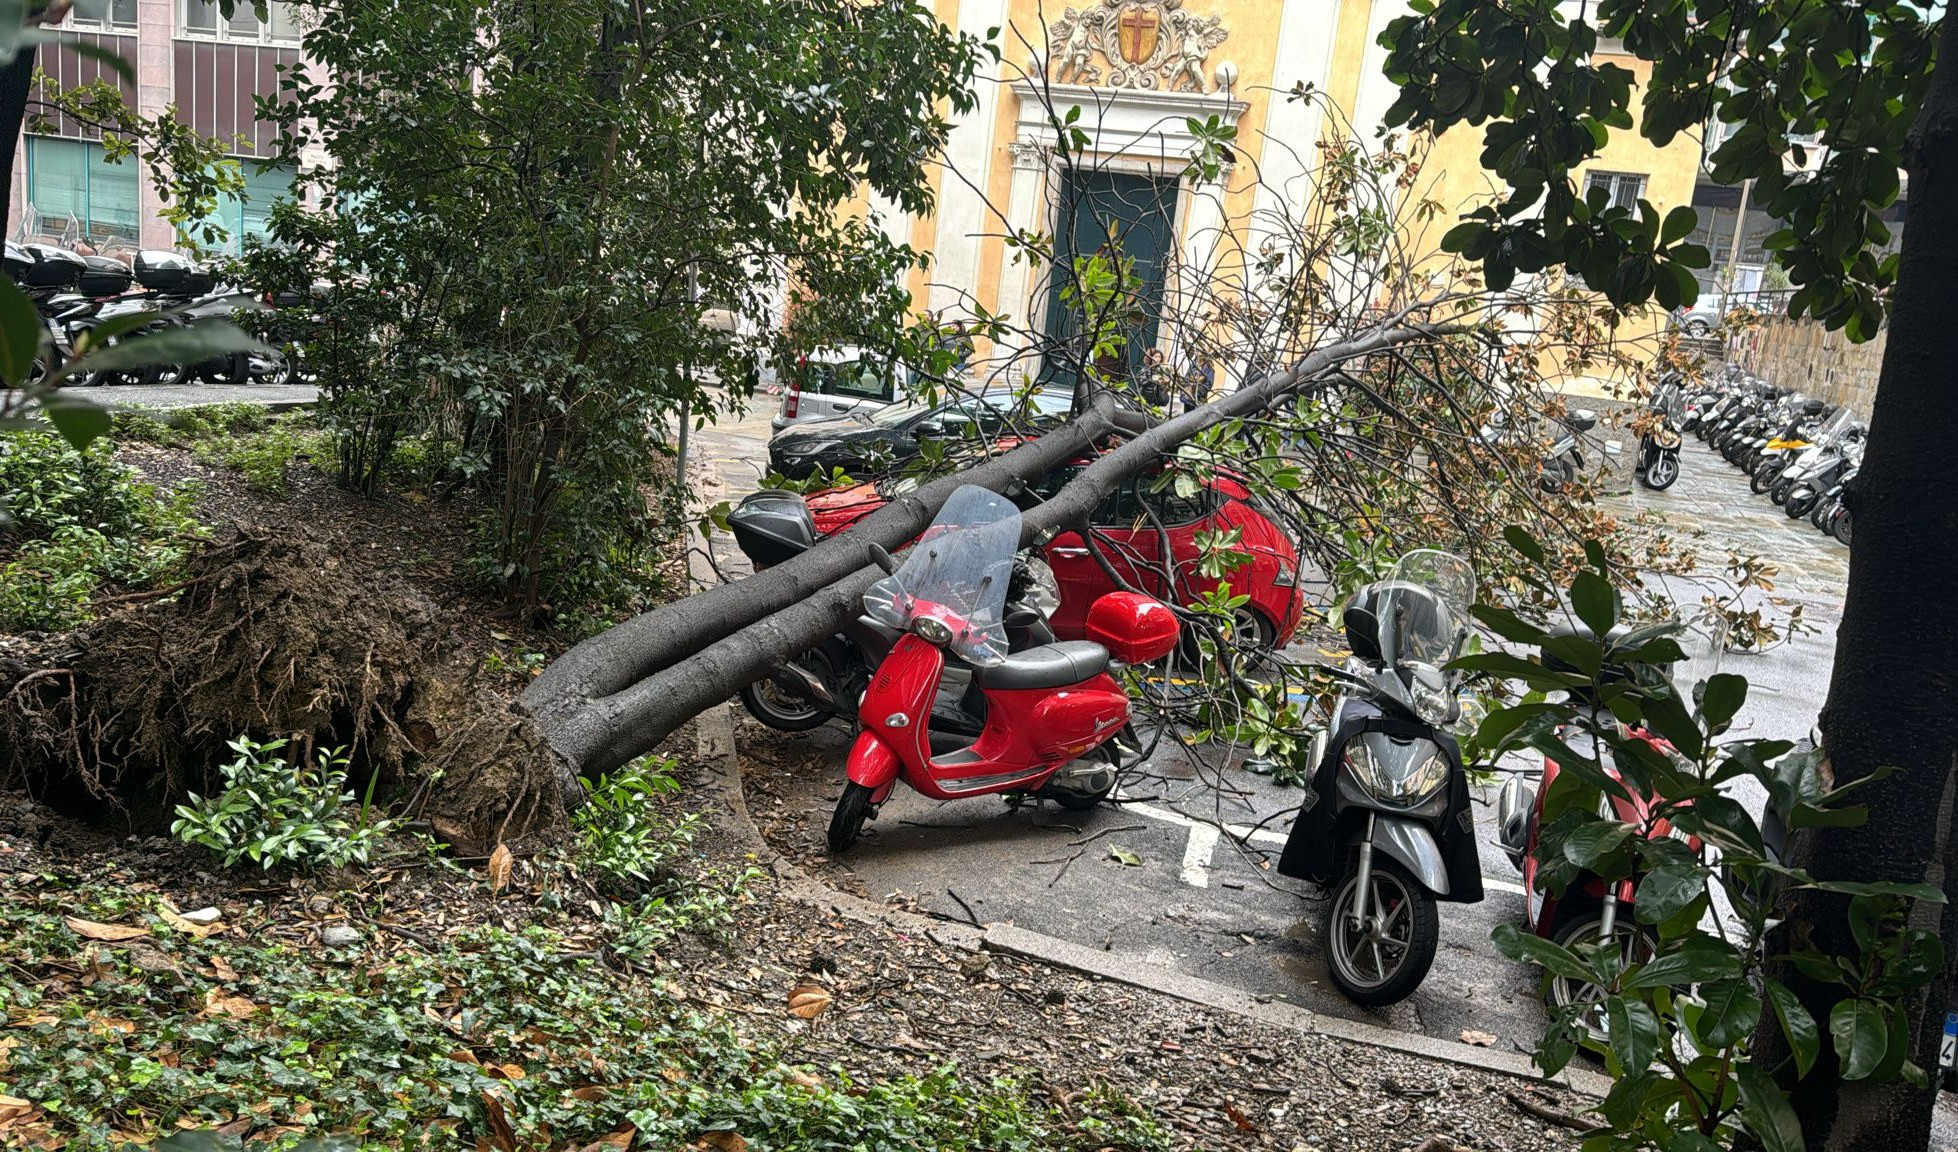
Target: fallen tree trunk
618, 694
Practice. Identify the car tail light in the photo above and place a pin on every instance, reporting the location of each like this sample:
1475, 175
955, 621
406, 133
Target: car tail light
791, 400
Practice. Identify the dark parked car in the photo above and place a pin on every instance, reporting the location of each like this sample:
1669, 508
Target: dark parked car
861, 442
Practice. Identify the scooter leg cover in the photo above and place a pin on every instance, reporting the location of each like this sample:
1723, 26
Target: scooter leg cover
873, 765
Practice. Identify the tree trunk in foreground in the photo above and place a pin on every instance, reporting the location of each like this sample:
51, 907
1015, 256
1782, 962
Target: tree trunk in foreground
16, 79
620, 693
1893, 700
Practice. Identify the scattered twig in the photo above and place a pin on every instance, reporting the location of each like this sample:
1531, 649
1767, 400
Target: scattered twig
1553, 1115
966, 907
1065, 864
1099, 835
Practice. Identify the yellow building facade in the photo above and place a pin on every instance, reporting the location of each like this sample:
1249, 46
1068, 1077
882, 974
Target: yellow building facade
1119, 83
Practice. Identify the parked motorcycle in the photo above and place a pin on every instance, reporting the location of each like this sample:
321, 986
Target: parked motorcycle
825, 683
1658, 446
1387, 827
1563, 459
1589, 909
1052, 714
1815, 470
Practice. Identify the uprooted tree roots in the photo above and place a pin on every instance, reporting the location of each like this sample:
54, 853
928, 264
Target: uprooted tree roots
277, 635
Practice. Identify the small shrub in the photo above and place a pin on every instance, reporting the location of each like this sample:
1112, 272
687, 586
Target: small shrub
621, 839
72, 521
276, 811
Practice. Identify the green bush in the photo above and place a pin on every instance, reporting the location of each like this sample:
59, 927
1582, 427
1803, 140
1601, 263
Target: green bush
72, 521
182, 427
277, 811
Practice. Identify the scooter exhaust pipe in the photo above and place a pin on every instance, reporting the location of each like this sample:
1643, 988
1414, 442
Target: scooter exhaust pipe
804, 684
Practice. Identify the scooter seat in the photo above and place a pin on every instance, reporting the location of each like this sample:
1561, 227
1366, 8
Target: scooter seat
1048, 666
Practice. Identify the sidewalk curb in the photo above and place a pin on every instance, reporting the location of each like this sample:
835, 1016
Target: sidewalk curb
714, 730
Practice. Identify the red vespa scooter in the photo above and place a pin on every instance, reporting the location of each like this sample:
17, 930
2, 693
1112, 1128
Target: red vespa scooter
1051, 712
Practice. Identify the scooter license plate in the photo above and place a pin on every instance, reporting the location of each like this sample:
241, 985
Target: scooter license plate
1948, 1048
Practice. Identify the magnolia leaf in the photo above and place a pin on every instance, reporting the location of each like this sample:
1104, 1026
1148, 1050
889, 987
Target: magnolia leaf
1796, 1024
112, 933
79, 421
21, 332
499, 868
1767, 1112
1861, 1035
1634, 1033
809, 1000
1732, 1008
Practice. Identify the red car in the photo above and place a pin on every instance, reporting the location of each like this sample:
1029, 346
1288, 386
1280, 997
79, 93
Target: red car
1133, 545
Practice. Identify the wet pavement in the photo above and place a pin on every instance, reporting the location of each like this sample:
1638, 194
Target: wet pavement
1157, 879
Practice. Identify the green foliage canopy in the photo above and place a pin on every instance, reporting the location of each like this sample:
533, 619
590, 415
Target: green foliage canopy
1791, 76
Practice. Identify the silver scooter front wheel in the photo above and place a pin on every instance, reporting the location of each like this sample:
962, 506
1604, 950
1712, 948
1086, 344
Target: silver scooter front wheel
1381, 955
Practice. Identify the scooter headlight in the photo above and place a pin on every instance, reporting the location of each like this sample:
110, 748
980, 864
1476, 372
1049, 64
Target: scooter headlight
1403, 781
932, 630
1428, 691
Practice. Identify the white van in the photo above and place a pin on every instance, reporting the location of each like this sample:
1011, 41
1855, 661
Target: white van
835, 382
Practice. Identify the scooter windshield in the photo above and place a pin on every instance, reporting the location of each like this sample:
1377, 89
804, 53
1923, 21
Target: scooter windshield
1424, 608
951, 589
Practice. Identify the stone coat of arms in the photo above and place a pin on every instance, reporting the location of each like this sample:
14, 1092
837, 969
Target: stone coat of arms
1144, 44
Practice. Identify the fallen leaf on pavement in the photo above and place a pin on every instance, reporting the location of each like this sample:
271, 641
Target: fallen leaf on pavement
1128, 858
91, 930
500, 863
809, 1000
1479, 1039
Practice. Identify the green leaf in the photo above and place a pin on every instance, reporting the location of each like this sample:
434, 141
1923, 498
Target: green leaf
1520, 539
1679, 224
1552, 957
1861, 1035
1766, 1110
1592, 843
1634, 1033
20, 333
1698, 959
79, 421
1722, 698
1804, 1039
1668, 888
1595, 601
187, 345
1732, 1010
1128, 858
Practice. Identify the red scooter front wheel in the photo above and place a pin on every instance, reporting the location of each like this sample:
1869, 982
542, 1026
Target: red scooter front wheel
852, 809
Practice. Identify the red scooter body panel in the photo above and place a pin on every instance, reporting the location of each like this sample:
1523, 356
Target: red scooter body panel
1029, 734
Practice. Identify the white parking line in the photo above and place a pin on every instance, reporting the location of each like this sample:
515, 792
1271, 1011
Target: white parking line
1204, 836
1196, 855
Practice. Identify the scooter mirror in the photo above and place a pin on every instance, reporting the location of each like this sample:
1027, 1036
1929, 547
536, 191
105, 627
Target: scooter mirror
883, 559
1362, 632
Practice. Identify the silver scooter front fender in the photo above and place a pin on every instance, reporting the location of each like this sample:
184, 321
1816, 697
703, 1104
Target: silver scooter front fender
1414, 847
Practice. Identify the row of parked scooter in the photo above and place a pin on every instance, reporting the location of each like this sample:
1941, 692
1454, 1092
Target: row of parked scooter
75, 294
1799, 451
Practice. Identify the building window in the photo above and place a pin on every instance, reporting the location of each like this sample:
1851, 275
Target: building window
102, 16
78, 194
1621, 189
250, 215
201, 20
